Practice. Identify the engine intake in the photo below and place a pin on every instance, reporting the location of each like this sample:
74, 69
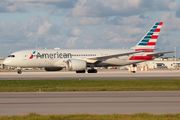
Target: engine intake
75, 65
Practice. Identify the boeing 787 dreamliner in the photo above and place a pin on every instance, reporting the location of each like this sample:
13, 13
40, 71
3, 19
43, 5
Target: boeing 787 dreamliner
79, 59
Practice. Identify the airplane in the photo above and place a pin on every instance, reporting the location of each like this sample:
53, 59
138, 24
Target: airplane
79, 59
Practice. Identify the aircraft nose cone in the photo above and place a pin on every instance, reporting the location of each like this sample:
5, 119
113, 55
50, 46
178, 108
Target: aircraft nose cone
6, 62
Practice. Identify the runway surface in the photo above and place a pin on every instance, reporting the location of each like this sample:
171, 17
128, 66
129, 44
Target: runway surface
102, 74
154, 102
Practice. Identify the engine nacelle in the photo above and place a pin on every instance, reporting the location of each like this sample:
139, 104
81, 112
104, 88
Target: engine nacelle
75, 65
53, 68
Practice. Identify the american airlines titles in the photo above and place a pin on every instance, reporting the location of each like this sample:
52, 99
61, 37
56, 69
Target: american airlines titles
53, 55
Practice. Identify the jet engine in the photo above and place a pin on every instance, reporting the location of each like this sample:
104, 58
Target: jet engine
75, 65
53, 68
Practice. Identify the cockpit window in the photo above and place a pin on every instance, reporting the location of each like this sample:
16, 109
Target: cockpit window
11, 56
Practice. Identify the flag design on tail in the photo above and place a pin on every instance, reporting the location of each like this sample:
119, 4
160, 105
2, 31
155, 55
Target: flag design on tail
150, 38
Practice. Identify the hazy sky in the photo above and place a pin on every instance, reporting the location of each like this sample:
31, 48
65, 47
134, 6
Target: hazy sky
86, 24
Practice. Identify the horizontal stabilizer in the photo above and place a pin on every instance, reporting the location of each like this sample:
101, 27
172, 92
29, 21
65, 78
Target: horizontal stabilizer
160, 53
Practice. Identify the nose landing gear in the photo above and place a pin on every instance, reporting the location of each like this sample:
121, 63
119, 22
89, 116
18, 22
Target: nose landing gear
19, 71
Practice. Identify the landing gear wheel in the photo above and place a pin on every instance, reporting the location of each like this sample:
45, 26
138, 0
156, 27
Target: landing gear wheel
83, 71
19, 71
92, 71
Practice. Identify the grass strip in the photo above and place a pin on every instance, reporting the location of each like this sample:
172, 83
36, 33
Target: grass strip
90, 85
143, 116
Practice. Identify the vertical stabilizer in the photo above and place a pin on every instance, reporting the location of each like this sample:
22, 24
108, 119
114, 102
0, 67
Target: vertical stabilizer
150, 38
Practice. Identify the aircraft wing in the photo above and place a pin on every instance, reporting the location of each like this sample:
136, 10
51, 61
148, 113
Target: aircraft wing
103, 58
160, 53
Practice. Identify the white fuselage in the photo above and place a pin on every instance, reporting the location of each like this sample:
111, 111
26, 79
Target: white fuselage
57, 58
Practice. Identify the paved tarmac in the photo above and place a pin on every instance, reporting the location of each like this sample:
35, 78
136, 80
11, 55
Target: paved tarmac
114, 102
102, 74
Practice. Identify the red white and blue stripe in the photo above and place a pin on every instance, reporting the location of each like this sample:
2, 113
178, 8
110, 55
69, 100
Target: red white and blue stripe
150, 38
148, 42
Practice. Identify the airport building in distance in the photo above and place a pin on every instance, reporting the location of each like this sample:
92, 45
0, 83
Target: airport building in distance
1, 61
160, 63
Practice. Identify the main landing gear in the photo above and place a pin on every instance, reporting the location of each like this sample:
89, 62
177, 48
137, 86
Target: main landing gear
83, 71
19, 71
89, 71
92, 71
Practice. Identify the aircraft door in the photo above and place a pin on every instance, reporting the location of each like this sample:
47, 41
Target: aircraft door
25, 57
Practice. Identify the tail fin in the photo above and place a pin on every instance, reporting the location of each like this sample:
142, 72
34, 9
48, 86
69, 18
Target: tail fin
150, 38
